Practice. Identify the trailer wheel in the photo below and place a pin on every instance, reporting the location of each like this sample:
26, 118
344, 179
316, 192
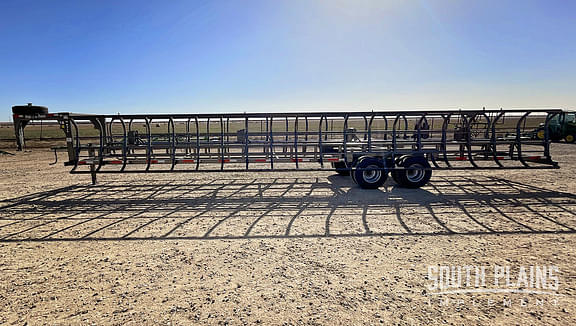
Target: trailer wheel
570, 138
340, 168
369, 173
416, 172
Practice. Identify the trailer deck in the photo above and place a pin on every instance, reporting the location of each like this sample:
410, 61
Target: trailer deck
408, 145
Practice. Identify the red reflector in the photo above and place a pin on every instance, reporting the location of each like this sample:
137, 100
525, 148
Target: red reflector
187, 161
294, 160
260, 160
460, 158
154, 161
224, 160
533, 157
81, 162
115, 162
500, 157
332, 159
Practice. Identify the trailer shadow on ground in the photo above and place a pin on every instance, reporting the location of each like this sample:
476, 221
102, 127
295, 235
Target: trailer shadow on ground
241, 208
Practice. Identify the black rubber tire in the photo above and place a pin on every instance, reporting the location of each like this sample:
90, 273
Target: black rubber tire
570, 138
340, 168
369, 179
29, 109
354, 163
407, 179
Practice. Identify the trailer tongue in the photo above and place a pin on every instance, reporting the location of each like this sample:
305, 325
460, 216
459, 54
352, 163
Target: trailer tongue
369, 146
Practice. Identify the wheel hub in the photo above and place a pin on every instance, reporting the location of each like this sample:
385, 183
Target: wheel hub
415, 173
371, 174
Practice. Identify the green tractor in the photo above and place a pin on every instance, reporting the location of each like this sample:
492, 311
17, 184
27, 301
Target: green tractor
562, 126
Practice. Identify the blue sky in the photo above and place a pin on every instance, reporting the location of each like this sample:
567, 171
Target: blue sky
256, 55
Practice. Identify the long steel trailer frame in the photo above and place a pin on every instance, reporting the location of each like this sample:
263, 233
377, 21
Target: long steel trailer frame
367, 145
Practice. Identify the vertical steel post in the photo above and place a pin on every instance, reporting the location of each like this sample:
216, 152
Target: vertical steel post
149, 143
345, 144
75, 143
173, 140
246, 141
270, 130
92, 168
519, 138
221, 143
493, 139
546, 140
197, 142
320, 146
296, 141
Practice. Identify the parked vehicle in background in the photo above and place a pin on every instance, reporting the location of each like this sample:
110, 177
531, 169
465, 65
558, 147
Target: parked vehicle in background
562, 126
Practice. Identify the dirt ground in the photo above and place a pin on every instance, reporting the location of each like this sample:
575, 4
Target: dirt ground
276, 248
